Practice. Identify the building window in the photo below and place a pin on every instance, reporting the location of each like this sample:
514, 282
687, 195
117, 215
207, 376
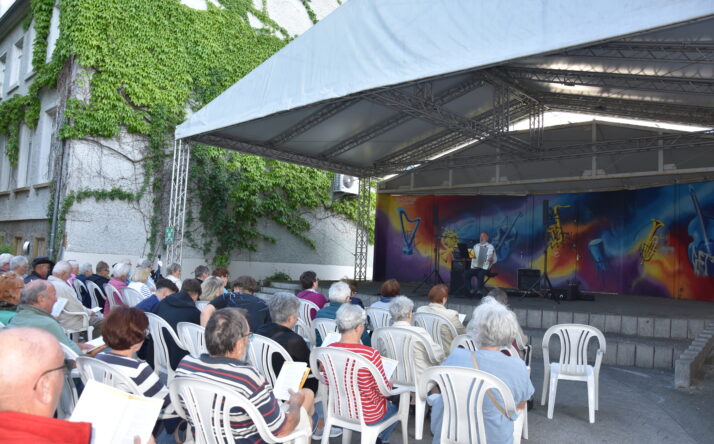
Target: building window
38, 247
54, 33
15, 63
3, 60
29, 164
17, 245
30, 41
47, 151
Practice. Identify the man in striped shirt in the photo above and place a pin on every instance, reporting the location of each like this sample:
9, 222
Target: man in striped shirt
227, 339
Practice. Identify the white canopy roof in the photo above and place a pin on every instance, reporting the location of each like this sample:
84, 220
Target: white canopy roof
378, 86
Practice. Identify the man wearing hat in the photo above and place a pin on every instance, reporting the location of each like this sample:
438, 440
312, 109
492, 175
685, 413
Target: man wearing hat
41, 267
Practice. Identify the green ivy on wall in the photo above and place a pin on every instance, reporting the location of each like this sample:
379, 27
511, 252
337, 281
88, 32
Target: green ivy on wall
145, 61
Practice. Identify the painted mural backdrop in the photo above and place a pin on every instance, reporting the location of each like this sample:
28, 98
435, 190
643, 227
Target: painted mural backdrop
653, 241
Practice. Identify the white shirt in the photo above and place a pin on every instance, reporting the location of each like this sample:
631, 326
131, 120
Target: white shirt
490, 253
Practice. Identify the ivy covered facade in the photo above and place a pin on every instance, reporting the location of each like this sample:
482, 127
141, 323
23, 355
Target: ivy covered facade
86, 135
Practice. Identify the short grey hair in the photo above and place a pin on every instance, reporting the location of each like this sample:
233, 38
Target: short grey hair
339, 292
400, 308
146, 263
349, 317
282, 305
85, 267
210, 286
18, 261
494, 325
33, 291
225, 327
61, 267
5, 258
173, 268
121, 269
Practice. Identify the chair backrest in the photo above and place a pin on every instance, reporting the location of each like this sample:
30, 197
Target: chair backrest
400, 344
113, 295
464, 391
162, 361
435, 325
201, 305
574, 341
79, 288
193, 337
95, 293
131, 297
260, 355
100, 371
463, 341
341, 375
306, 309
324, 326
307, 333
207, 406
379, 317
68, 396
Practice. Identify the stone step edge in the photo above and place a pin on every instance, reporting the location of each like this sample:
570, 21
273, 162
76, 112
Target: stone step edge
688, 367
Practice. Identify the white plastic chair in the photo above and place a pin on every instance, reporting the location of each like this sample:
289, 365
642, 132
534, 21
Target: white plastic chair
400, 344
379, 317
260, 355
463, 341
100, 371
201, 305
131, 297
323, 326
95, 294
207, 406
434, 324
306, 307
573, 363
307, 333
68, 397
193, 337
464, 391
79, 288
344, 406
72, 332
162, 361
113, 295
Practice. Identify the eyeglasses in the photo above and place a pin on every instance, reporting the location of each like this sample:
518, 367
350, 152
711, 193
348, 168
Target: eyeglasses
66, 367
249, 336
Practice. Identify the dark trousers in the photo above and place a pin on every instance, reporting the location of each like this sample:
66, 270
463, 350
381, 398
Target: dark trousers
480, 274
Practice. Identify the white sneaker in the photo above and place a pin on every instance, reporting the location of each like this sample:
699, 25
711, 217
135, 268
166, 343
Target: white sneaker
334, 433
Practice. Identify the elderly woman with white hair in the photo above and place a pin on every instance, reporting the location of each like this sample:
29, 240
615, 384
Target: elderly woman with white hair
211, 288
495, 326
120, 273
339, 293
351, 321
138, 282
402, 311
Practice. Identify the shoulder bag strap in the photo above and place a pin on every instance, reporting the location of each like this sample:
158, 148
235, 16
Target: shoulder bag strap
490, 395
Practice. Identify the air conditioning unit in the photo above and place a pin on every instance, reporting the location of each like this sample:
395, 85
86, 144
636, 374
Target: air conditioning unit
344, 184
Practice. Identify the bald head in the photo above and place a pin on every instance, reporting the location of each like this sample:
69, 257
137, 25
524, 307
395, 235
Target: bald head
25, 385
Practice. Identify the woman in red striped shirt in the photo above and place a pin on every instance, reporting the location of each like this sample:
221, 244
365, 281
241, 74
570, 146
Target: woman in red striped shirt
351, 320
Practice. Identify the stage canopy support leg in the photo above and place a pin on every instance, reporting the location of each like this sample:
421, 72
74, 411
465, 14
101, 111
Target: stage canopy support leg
363, 221
177, 203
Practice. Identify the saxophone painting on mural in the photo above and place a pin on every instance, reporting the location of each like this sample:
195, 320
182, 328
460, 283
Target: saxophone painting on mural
557, 235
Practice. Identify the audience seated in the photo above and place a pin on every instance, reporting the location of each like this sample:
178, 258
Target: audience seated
438, 296
390, 288
10, 287
211, 288
100, 278
351, 320
179, 307
174, 274
120, 273
5, 259
309, 283
285, 311
36, 301
201, 273
41, 267
148, 264
222, 272
164, 287
85, 270
19, 265
402, 311
138, 281
60, 274
494, 326
73, 271
31, 381
353, 291
339, 293
124, 333
227, 338
242, 297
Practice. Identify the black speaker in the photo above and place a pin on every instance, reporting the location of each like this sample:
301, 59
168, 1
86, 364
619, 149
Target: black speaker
527, 277
457, 277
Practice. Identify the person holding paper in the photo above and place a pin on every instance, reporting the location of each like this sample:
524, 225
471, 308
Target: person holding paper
402, 311
484, 256
438, 297
339, 293
351, 320
60, 274
31, 381
227, 339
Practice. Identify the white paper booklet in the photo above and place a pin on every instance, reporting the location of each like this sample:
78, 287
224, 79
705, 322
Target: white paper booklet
59, 306
95, 343
389, 366
462, 317
116, 416
331, 338
292, 376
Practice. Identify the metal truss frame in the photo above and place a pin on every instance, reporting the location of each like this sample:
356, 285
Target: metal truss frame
310, 121
177, 200
535, 125
362, 235
688, 52
614, 80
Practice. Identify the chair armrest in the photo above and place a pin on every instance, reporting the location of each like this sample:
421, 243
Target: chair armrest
397, 391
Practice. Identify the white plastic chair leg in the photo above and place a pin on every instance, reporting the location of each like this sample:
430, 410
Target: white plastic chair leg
419, 408
546, 380
326, 432
369, 436
591, 400
597, 391
525, 423
551, 397
346, 436
518, 427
